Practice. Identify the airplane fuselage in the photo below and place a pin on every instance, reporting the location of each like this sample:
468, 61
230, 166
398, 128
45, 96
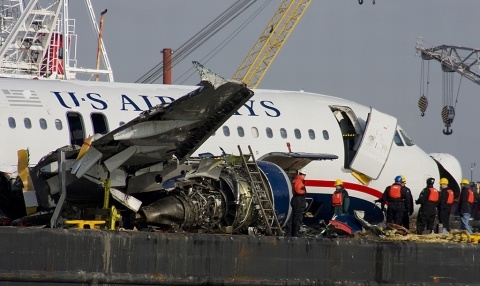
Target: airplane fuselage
42, 115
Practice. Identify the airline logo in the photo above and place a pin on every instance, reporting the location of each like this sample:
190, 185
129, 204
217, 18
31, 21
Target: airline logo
22, 97
71, 100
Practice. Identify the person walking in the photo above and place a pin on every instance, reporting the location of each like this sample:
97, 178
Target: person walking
394, 196
428, 201
465, 204
297, 203
445, 205
407, 213
340, 199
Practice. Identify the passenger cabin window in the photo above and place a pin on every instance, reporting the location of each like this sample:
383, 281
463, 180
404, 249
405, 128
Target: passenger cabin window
58, 124
255, 133
311, 134
283, 133
269, 132
240, 131
77, 130
11, 122
43, 123
397, 139
27, 122
297, 133
325, 135
121, 123
99, 122
226, 131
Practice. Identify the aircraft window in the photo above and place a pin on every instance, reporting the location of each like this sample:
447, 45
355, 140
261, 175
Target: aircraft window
326, 136
311, 134
297, 132
397, 139
43, 123
283, 133
269, 132
27, 122
407, 139
99, 122
240, 131
11, 122
121, 123
255, 133
77, 130
58, 124
226, 131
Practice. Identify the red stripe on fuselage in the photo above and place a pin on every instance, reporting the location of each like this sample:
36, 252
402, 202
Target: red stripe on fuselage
346, 185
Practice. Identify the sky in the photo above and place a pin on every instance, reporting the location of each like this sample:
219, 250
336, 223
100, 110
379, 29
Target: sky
364, 53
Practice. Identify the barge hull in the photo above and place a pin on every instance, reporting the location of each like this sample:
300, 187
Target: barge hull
92, 257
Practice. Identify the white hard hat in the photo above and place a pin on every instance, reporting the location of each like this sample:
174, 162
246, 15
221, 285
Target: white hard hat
302, 171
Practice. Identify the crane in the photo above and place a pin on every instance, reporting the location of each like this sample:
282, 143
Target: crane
465, 61
255, 65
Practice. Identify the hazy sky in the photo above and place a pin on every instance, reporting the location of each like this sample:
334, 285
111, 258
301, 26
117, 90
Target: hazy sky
365, 53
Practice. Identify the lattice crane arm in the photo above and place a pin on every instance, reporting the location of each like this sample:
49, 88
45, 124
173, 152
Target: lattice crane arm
255, 65
465, 61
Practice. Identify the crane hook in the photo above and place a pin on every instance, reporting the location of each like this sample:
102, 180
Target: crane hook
448, 131
360, 2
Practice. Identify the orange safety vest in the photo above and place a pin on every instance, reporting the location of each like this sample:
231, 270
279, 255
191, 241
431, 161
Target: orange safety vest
395, 191
433, 197
337, 199
470, 196
450, 197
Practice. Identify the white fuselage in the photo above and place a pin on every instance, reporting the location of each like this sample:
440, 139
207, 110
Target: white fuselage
33, 116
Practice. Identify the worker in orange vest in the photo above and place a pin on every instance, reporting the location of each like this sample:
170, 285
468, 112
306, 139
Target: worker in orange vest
465, 204
395, 196
340, 199
297, 203
428, 201
445, 205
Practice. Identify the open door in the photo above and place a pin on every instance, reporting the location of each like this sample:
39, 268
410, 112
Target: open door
372, 154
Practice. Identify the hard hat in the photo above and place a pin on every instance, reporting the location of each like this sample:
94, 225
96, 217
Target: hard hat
398, 179
302, 171
338, 182
465, 181
443, 181
404, 180
430, 181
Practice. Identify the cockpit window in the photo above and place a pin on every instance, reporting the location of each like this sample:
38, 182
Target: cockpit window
398, 141
407, 139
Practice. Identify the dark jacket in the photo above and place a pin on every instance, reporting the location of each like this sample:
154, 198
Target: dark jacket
408, 201
463, 205
444, 194
423, 199
343, 209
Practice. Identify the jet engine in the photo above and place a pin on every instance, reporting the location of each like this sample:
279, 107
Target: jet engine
218, 197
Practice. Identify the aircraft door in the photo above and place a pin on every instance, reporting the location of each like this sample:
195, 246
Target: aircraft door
376, 143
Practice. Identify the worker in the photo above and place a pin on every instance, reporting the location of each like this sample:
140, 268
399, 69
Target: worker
445, 206
465, 204
428, 201
394, 196
407, 213
340, 199
297, 203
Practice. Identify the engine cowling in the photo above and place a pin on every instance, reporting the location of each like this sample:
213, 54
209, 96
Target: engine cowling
218, 197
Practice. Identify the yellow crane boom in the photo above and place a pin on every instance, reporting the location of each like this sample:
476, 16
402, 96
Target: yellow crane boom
255, 65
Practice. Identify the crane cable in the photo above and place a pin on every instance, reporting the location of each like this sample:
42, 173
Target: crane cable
198, 39
423, 101
224, 43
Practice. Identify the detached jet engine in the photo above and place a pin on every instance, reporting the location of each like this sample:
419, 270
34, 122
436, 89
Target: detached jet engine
218, 197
